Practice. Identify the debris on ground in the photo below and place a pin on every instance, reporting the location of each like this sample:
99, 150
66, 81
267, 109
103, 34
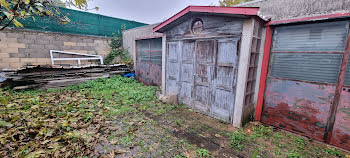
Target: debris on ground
46, 77
120, 117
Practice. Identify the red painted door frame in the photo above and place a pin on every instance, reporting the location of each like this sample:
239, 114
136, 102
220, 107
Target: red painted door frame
263, 74
338, 91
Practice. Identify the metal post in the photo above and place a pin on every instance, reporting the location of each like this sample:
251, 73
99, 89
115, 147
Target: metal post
51, 55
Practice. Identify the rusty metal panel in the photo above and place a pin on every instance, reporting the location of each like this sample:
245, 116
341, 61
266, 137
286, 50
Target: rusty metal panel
315, 67
155, 74
341, 130
149, 61
325, 37
142, 62
142, 72
298, 106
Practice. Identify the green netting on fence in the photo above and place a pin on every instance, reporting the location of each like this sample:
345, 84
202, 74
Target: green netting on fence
82, 23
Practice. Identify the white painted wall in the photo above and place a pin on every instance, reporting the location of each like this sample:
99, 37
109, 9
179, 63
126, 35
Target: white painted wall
243, 67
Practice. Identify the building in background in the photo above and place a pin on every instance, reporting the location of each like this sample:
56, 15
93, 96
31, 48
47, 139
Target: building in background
88, 34
145, 46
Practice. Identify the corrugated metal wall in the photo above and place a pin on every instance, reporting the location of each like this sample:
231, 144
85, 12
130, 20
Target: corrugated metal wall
324, 37
305, 66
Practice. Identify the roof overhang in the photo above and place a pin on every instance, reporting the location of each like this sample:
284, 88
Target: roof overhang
239, 11
309, 19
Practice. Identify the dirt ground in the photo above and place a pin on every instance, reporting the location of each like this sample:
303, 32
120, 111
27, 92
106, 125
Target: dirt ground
120, 117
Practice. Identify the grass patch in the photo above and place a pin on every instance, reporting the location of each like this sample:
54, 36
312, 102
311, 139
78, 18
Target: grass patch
202, 153
236, 139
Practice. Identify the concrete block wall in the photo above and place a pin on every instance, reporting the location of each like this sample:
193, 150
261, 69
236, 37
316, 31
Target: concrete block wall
20, 48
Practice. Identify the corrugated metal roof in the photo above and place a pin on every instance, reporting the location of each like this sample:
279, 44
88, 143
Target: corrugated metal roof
286, 9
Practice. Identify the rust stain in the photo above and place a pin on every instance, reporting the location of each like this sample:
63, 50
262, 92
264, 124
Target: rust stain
341, 132
297, 106
149, 73
338, 93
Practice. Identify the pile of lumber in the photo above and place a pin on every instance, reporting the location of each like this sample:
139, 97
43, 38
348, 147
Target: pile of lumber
45, 77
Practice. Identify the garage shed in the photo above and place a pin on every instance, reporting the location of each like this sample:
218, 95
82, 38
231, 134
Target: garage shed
146, 49
305, 79
211, 60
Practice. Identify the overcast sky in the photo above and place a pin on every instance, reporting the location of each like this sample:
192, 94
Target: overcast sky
146, 11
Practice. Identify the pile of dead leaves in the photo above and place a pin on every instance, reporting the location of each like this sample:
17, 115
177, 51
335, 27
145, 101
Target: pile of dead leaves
67, 122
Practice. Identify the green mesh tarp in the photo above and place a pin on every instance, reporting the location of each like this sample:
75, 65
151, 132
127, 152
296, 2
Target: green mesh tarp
82, 23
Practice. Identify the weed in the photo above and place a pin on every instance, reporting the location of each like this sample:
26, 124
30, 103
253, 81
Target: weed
159, 112
331, 151
278, 136
262, 131
123, 110
179, 122
317, 151
202, 153
277, 151
236, 139
299, 141
127, 140
293, 154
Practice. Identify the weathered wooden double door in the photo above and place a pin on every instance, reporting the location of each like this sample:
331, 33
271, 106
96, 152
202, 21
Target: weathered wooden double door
203, 73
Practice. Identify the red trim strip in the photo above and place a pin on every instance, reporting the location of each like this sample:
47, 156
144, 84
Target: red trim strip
263, 75
338, 91
135, 62
209, 9
313, 18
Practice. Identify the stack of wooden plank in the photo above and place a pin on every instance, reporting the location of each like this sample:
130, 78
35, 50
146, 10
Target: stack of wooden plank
46, 77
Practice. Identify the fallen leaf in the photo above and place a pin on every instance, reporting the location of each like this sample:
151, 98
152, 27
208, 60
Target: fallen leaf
5, 124
218, 135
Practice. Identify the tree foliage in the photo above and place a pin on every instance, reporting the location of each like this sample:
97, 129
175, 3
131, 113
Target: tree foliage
13, 10
230, 3
116, 44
